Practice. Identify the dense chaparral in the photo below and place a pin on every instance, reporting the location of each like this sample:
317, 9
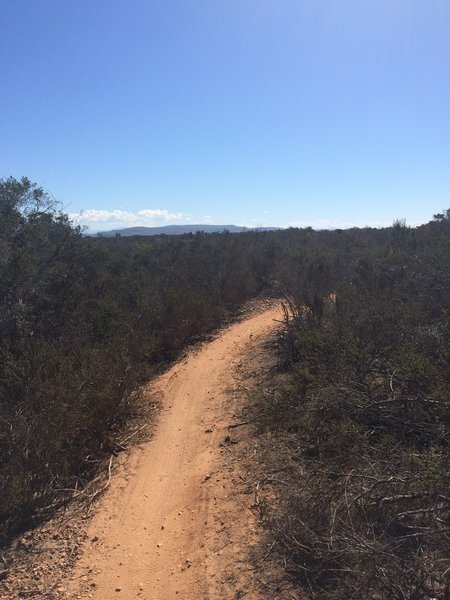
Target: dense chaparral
356, 414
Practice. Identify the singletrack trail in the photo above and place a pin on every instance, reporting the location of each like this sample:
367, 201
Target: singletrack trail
155, 534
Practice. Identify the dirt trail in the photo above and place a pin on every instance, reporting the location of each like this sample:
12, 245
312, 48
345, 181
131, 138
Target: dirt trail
157, 532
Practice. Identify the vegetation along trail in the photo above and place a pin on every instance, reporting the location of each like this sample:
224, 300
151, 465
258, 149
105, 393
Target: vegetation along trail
156, 533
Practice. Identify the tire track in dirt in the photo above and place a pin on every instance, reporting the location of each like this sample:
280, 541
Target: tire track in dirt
151, 537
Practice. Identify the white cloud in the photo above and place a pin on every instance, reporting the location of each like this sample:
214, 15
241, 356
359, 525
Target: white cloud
160, 214
104, 220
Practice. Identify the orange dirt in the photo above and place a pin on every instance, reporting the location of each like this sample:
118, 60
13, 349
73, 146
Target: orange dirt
165, 523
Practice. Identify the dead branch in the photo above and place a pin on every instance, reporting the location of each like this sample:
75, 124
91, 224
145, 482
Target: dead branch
234, 425
103, 489
133, 434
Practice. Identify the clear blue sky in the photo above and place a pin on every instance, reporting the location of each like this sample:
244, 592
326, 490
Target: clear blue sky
274, 112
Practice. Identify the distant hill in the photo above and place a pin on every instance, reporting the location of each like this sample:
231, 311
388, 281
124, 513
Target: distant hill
181, 229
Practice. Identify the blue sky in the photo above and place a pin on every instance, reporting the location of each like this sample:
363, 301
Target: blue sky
270, 112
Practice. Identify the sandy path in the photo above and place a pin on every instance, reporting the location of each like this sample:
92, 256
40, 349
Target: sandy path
151, 537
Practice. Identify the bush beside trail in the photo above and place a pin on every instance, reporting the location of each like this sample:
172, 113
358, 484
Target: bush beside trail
358, 420
83, 322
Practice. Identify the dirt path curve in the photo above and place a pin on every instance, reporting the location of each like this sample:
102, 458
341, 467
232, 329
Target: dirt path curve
153, 535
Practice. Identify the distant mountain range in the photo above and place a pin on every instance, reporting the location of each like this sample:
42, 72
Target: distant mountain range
181, 229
